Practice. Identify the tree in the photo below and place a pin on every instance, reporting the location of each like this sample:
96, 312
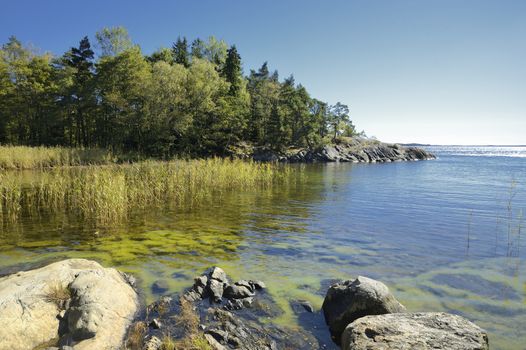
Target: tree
232, 70
167, 113
170, 102
180, 52
121, 82
215, 51
338, 118
263, 98
198, 48
113, 41
82, 92
162, 55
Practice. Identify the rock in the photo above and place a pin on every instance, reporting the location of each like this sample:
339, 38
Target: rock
152, 343
235, 291
159, 287
216, 290
349, 300
302, 306
155, 324
246, 284
414, 331
238, 304
101, 308
213, 342
234, 332
257, 285
218, 274
355, 149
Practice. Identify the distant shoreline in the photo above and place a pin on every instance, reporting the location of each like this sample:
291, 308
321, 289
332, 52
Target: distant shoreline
438, 145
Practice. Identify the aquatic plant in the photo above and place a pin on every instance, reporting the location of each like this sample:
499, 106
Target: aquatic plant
106, 195
23, 157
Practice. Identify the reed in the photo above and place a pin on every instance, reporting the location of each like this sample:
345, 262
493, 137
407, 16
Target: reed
107, 194
23, 157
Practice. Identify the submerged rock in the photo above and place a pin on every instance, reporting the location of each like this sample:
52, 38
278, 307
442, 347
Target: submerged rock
414, 331
349, 300
86, 305
229, 316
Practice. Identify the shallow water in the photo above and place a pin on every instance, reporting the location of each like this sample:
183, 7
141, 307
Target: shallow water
435, 231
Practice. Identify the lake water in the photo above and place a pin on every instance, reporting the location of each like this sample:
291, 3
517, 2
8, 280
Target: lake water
444, 235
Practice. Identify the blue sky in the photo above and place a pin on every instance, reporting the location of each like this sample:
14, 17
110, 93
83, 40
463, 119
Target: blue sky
430, 71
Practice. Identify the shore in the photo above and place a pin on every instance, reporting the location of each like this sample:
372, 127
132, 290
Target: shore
354, 150
77, 304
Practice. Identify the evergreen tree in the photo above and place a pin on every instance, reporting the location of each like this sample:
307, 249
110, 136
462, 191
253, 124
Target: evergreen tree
198, 48
180, 52
232, 70
82, 94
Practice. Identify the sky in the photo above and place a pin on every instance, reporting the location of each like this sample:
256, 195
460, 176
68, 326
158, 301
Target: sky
424, 71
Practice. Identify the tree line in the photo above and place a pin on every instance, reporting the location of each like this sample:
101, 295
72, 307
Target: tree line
189, 99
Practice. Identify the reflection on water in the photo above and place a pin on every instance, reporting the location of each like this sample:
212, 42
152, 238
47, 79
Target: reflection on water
403, 223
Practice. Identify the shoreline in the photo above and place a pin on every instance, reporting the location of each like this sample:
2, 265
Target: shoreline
77, 304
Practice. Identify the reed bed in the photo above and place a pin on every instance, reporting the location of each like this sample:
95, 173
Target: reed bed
23, 157
107, 194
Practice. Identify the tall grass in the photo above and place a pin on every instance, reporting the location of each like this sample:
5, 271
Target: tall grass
108, 194
22, 157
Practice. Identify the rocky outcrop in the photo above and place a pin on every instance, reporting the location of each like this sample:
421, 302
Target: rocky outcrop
215, 286
73, 302
357, 150
229, 316
349, 300
405, 331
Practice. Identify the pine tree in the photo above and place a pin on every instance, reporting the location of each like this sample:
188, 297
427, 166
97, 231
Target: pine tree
180, 52
275, 129
232, 70
198, 48
82, 93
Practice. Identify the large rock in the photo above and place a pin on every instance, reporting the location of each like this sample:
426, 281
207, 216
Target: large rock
405, 331
87, 305
346, 301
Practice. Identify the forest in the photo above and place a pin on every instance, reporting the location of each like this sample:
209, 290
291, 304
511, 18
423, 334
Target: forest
192, 99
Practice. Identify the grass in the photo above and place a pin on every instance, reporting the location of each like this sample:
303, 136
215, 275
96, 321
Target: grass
187, 320
193, 339
23, 157
58, 294
136, 335
107, 194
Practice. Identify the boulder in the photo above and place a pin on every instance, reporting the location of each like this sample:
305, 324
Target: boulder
405, 331
77, 299
349, 300
236, 291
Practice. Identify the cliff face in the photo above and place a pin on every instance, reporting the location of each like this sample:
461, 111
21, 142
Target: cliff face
351, 150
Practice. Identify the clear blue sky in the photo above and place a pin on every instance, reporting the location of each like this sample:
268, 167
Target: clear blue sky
441, 71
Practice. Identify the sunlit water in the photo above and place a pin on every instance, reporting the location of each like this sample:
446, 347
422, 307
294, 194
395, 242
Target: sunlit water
443, 234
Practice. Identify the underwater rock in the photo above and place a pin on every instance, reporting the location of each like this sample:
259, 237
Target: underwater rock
257, 285
230, 318
234, 332
414, 331
160, 287
349, 300
300, 306
99, 305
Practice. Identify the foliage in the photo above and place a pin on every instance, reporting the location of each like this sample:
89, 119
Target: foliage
191, 99
106, 195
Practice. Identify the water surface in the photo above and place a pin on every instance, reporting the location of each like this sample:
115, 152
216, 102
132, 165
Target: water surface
445, 235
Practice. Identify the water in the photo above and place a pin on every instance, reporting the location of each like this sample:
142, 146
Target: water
443, 234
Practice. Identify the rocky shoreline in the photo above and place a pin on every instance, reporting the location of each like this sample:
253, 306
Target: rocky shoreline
355, 150
78, 304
